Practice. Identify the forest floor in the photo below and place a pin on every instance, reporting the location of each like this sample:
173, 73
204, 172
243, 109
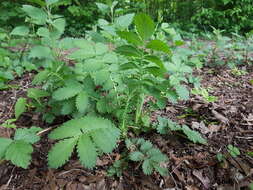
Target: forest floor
229, 120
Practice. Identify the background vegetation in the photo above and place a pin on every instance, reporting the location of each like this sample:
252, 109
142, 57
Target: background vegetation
188, 15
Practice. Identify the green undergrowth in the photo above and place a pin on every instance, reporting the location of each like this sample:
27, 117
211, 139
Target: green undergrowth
101, 85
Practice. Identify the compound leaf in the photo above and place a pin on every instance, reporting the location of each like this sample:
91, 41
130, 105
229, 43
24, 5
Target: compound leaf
136, 156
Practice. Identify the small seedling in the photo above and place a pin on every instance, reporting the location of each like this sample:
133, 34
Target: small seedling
9, 123
233, 151
205, 94
238, 72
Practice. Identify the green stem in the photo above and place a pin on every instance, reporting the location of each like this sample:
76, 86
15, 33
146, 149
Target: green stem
139, 108
123, 126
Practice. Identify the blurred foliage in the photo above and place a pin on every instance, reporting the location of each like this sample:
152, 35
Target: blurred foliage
189, 15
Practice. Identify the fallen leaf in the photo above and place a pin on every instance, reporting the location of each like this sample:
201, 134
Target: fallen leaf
204, 180
200, 126
220, 117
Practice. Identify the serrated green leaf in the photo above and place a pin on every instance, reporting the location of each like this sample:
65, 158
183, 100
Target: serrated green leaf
102, 131
4, 144
156, 155
40, 77
156, 60
20, 107
162, 171
59, 24
82, 101
106, 139
87, 151
145, 145
27, 135
192, 135
103, 7
43, 32
38, 16
124, 21
20, 31
19, 153
92, 65
37, 93
61, 152
67, 107
136, 156
66, 92
182, 92
128, 50
40, 52
100, 48
130, 37
172, 96
100, 77
111, 57
71, 128
102, 105
147, 167
50, 2
158, 45
82, 54
144, 26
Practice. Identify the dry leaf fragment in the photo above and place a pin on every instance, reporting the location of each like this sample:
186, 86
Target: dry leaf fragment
220, 117
204, 180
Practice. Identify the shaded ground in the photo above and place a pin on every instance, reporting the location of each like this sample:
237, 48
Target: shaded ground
227, 121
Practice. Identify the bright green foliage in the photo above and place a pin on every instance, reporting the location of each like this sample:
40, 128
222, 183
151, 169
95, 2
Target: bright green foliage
66, 92
28, 135
233, 151
9, 123
40, 52
166, 125
19, 150
182, 92
37, 15
90, 134
159, 45
4, 145
36, 93
117, 168
19, 153
61, 152
82, 102
20, 107
20, 31
205, 94
144, 26
108, 74
151, 158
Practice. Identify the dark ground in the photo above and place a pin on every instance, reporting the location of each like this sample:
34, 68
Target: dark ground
192, 167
